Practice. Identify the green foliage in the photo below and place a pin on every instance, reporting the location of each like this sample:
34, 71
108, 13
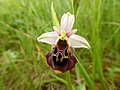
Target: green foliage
22, 58
54, 16
76, 5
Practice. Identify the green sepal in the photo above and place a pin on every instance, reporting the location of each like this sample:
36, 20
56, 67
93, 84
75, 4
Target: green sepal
54, 16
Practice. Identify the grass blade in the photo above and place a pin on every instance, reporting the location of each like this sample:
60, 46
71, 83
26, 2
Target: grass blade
85, 74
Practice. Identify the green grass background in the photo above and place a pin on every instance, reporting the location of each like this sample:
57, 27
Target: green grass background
22, 59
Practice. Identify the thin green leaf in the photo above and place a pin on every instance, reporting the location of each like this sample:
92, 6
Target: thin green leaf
69, 82
60, 79
54, 16
85, 75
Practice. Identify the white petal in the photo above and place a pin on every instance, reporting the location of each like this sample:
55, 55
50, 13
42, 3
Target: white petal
49, 37
78, 41
56, 30
71, 32
63, 22
70, 23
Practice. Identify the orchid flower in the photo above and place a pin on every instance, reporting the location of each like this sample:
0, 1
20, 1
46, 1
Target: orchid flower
63, 40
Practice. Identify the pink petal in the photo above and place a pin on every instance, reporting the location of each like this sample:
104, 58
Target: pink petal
70, 23
56, 30
63, 22
71, 32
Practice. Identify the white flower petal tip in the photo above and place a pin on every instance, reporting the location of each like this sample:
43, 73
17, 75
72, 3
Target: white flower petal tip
67, 22
49, 37
78, 42
70, 22
63, 22
74, 30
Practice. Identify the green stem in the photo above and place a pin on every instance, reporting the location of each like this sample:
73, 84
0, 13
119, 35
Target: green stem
69, 82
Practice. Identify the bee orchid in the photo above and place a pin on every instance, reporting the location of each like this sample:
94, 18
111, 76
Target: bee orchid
63, 40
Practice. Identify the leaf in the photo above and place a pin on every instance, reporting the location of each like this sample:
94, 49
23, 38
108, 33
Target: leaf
54, 16
85, 74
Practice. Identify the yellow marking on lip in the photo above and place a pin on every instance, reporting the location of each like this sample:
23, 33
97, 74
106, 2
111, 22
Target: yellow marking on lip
54, 54
57, 71
65, 57
56, 59
61, 59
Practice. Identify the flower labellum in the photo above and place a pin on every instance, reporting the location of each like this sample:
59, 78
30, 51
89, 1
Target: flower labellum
63, 41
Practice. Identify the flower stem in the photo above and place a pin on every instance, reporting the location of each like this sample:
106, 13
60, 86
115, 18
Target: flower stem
69, 82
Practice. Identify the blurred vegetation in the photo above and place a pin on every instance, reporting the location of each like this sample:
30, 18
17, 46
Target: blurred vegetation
23, 59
